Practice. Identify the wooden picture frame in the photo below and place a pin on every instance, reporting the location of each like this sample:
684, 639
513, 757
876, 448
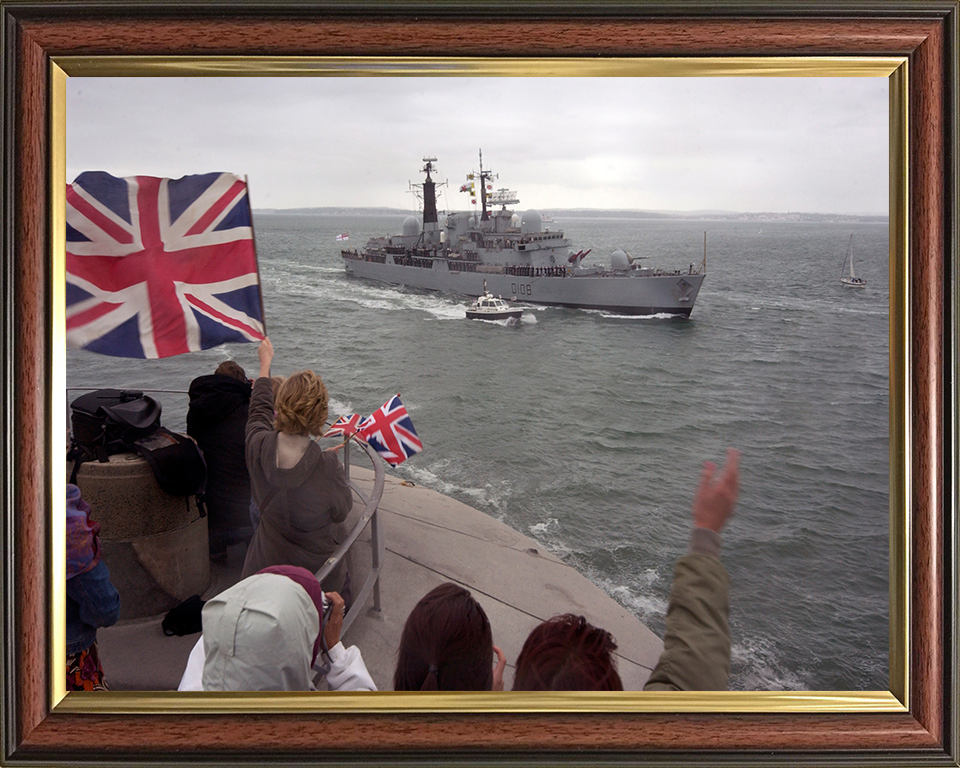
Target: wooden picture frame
916, 722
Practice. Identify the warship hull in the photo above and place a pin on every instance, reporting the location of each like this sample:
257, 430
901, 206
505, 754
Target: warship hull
629, 294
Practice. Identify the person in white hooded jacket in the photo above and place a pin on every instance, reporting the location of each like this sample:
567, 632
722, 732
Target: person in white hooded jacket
267, 633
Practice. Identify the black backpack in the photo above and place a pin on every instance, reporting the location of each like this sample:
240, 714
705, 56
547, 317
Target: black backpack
111, 421
177, 462
108, 421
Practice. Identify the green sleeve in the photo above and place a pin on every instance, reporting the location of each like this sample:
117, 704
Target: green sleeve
696, 647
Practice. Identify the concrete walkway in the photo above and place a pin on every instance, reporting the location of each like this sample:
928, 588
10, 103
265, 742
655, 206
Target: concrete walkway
430, 539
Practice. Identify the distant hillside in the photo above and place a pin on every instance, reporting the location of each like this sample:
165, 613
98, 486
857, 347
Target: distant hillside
338, 211
593, 213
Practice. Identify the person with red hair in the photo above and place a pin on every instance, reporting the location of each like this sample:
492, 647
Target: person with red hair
567, 653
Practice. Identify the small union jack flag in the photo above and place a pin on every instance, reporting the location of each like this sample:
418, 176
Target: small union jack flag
389, 431
159, 267
345, 425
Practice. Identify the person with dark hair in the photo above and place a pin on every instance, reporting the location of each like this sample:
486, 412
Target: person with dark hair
567, 653
92, 600
216, 419
447, 645
274, 631
300, 489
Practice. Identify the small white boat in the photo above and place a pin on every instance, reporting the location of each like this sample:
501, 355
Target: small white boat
848, 278
490, 307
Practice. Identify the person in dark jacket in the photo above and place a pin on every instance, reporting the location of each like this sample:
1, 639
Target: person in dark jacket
216, 419
92, 600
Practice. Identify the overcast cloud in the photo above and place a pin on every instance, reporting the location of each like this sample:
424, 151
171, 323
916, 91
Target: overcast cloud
806, 144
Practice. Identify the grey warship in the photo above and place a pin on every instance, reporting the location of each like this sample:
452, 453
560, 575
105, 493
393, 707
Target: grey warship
512, 255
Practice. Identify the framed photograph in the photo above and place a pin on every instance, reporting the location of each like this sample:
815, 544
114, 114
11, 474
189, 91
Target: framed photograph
913, 45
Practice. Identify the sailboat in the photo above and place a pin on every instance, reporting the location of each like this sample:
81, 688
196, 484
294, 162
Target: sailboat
848, 278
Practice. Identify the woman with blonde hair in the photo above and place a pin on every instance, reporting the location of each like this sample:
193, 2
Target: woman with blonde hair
299, 488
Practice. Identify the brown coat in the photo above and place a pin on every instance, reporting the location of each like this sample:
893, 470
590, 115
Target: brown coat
301, 508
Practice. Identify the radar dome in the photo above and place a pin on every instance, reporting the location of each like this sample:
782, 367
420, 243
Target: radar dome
411, 226
531, 221
620, 259
515, 220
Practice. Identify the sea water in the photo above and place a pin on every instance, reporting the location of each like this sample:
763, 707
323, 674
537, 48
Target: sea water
587, 431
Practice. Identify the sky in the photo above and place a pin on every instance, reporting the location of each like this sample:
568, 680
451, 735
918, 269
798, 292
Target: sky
743, 144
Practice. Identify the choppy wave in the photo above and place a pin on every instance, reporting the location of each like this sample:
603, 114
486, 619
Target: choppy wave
639, 598
756, 665
550, 525
614, 316
489, 497
339, 408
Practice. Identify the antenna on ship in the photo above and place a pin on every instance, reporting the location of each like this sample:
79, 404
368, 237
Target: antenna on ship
504, 197
485, 176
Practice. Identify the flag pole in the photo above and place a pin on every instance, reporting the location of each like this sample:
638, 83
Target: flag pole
256, 260
346, 452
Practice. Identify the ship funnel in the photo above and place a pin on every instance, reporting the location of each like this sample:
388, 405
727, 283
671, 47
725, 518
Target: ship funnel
429, 193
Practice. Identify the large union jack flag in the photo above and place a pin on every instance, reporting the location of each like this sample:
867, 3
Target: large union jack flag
389, 431
159, 267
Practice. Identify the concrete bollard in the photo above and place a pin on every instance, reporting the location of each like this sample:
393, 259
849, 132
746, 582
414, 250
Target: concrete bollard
155, 545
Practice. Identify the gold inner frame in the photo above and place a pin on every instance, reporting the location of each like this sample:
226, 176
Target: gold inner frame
780, 702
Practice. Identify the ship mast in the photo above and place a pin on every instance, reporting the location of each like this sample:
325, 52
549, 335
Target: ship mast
485, 176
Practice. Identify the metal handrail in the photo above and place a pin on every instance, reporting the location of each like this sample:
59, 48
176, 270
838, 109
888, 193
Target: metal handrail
369, 517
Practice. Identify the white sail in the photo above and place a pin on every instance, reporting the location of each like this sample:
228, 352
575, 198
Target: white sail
850, 279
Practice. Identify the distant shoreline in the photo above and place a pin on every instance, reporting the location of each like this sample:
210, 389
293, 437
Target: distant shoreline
592, 213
